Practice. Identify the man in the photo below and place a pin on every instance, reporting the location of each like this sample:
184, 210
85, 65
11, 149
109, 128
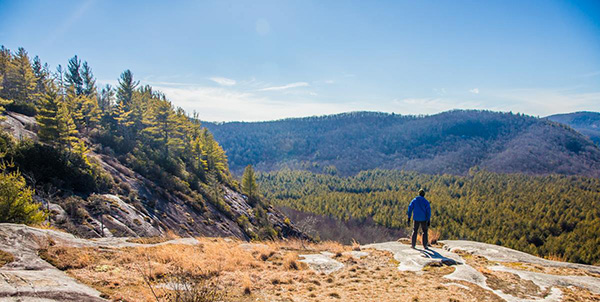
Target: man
420, 209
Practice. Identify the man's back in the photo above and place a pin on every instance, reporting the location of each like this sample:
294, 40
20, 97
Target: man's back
420, 209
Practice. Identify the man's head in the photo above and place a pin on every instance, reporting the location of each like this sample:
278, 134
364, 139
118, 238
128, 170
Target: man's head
422, 192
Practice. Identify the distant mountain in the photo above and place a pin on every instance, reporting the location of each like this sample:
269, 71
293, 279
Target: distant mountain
449, 142
588, 123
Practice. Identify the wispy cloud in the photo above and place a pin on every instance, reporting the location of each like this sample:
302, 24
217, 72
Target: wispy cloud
223, 81
474, 90
227, 104
284, 87
430, 105
545, 102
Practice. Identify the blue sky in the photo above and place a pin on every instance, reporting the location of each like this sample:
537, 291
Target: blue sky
262, 60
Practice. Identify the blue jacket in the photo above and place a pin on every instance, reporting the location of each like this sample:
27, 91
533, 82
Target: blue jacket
421, 209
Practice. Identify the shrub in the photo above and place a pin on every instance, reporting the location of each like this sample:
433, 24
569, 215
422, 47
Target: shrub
16, 200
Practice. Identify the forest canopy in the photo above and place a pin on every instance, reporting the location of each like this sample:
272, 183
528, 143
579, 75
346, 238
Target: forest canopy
543, 215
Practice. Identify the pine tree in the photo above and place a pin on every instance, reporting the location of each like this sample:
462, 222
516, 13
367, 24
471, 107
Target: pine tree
89, 83
67, 130
5, 57
73, 75
59, 77
80, 148
41, 73
21, 83
249, 186
212, 153
126, 88
3, 102
106, 99
16, 199
47, 115
162, 126
84, 110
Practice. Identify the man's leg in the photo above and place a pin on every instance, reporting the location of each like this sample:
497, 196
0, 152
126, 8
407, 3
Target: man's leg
425, 235
414, 234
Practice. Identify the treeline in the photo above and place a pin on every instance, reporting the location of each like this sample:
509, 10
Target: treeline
551, 215
131, 122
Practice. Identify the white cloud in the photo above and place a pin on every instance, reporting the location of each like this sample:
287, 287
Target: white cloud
430, 105
223, 81
284, 87
474, 90
228, 104
329, 81
545, 102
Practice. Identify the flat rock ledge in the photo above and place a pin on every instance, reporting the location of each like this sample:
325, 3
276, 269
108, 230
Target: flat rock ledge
322, 262
415, 260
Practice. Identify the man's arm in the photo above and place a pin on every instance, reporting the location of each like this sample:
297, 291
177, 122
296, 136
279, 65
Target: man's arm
411, 207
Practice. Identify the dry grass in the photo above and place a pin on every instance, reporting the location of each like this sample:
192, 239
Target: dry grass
433, 236
148, 240
266, 271
355, 245
246, 284
556, 257
5, 258
290, 261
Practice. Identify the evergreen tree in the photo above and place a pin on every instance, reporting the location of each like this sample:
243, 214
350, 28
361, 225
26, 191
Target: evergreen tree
106, 99
3, 102
59, 77
89, 83
21, 83
212, 154
41, 73
67, 130
249, 186
126, 88
162, 126
16, 200
73, 75
5, 57
47, 115
84, 110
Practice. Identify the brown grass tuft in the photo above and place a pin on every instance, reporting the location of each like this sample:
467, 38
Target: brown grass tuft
355, 245
556, 257
5, 258
434, 236
290, 261
247, 284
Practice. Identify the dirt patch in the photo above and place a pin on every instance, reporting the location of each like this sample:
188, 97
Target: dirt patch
5, 258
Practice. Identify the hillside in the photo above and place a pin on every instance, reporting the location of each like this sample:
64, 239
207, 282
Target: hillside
115, 162
54, 266
588, 123
450, 142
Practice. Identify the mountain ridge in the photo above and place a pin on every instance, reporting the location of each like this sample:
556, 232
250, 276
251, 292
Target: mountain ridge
585, 122
448, 142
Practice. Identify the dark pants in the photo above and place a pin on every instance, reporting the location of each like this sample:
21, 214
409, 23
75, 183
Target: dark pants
423, 225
